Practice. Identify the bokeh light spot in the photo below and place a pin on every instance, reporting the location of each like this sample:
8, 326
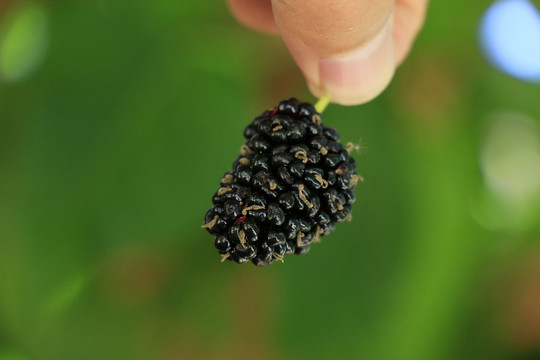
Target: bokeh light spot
510, 157
23, 42
510, 37
509, 160
521, 303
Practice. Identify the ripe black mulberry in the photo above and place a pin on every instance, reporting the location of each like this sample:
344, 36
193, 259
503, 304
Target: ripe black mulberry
291, 183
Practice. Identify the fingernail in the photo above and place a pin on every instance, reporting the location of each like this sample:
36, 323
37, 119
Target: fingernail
361, 75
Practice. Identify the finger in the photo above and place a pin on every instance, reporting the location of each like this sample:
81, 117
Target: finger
410, 16
345, 48
256, 14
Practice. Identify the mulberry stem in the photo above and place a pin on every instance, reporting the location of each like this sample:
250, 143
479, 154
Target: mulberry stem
322, 103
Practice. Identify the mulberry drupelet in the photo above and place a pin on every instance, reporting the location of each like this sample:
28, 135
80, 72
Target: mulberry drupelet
291, 183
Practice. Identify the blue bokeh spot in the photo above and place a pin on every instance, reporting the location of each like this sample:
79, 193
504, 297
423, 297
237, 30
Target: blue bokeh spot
510, 37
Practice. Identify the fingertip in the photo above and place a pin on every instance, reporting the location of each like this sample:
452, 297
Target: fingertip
255, 14
409, 19
361, 75
316, 90
344, 47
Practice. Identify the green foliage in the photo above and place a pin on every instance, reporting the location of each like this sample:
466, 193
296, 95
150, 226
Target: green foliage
112, 146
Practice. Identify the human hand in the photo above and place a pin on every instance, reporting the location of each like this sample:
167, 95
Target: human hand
347, 49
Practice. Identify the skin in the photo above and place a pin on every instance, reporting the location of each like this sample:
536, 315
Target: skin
347, 49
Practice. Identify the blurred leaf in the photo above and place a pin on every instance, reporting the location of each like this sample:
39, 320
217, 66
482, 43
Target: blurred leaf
23, 41
65, 295
11, 355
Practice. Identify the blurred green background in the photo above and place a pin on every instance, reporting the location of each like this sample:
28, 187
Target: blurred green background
117, 120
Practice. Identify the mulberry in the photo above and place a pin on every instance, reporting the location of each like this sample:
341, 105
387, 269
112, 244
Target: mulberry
291, 183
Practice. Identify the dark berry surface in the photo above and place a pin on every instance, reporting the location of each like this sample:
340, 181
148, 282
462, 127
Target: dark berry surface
291, 183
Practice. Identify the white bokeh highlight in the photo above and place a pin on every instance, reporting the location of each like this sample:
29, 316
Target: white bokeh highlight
509, 161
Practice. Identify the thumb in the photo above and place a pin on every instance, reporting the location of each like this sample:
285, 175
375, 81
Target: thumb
344, 47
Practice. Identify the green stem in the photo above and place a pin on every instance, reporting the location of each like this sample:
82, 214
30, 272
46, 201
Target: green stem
322, 104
